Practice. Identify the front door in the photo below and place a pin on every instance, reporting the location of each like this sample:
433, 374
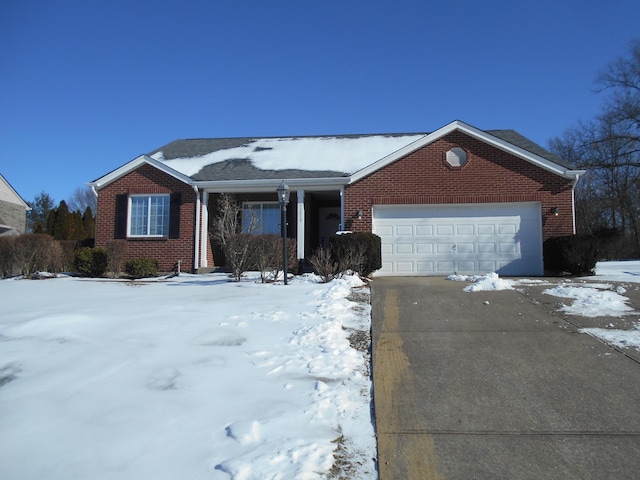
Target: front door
329, 224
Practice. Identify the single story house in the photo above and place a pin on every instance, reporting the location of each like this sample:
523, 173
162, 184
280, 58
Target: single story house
458, 199
13, 210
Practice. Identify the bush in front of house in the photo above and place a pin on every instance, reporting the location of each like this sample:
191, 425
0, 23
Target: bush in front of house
573, 254
238, 253
116, 249
360, 252
141, 268
324, 264
30, 253
266, 251
91, 262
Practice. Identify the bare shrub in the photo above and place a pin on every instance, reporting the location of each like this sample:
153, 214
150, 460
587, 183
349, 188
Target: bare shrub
292, 255
353, 259
228, 221
267, 255
56, 258
117, 250
38, 252
238, 254
68, 248
324, 264
7, 255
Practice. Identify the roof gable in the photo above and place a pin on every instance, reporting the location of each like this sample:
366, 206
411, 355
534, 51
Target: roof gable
8, 194
539, 156
132, 165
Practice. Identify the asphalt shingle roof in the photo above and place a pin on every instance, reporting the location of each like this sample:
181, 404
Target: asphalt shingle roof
239, 165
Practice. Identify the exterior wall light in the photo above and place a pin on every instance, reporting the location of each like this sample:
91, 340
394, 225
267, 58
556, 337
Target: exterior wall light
554, 210
359, 214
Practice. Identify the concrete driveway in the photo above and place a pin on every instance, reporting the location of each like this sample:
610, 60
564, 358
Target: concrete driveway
509, 389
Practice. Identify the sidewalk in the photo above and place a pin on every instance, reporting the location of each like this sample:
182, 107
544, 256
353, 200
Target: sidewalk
465, 389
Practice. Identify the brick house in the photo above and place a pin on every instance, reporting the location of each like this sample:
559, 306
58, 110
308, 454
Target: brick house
458, 199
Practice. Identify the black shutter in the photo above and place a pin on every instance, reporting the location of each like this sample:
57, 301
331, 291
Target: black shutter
122, 205
174, 216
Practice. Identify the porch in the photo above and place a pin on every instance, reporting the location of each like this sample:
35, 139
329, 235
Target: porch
313, 216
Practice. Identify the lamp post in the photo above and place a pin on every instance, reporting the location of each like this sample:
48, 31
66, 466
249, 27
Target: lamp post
283, 198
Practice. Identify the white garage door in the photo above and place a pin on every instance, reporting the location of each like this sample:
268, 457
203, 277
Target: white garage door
475, 238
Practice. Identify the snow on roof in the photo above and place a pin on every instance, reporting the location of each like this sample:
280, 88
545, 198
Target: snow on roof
346, 154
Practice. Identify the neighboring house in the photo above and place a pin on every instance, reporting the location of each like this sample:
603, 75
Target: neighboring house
458, 199
13, 210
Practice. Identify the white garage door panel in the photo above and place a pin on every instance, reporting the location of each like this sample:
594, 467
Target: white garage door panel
443, 239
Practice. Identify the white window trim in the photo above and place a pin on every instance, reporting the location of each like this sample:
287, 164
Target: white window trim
147, 195
255, 203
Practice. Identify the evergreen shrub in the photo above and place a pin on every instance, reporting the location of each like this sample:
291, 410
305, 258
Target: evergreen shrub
91, 262
141, 267
358, 251
573, 254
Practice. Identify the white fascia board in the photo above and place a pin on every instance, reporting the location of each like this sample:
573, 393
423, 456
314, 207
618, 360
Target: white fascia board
473, 132
269, 185
132, 165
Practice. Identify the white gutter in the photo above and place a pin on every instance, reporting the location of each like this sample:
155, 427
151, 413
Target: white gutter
268, 185
196, 239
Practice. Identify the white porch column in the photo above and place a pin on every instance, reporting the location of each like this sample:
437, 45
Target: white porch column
196, 240
204, 234
301, 224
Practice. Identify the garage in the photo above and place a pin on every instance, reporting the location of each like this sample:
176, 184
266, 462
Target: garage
468, 239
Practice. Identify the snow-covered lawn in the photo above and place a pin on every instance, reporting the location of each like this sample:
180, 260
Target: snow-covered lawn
197, 377
592, 297
191, 378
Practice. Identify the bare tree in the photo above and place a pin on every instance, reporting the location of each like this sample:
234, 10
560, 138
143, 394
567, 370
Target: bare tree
608, 196
228, 221
621, 79
82, 198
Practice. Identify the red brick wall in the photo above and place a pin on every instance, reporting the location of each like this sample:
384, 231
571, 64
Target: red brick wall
147, 179
489, 176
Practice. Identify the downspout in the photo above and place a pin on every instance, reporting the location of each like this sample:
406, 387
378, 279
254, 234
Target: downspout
196, 240
342, 227
573, 201
95, 214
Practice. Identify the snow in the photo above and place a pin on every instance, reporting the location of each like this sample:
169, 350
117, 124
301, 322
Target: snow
341, 154
622, 271
192, 377
490, 282
619, 338
593, 299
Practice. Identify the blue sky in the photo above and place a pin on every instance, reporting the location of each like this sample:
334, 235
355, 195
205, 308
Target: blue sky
87, 85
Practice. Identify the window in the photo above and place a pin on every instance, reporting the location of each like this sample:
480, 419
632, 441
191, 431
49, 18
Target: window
149, 216
456, 157
261, 217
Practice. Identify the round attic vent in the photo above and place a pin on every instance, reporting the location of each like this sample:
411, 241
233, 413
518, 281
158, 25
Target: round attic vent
456, 157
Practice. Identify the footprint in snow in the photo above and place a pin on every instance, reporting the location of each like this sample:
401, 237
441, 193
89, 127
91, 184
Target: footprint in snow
164, 380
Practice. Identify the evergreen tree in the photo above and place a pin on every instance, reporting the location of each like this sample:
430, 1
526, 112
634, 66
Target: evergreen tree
88, 224
63, 223
37, 217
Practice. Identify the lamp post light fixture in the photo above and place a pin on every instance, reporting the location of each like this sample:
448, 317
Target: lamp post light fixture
283, 197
